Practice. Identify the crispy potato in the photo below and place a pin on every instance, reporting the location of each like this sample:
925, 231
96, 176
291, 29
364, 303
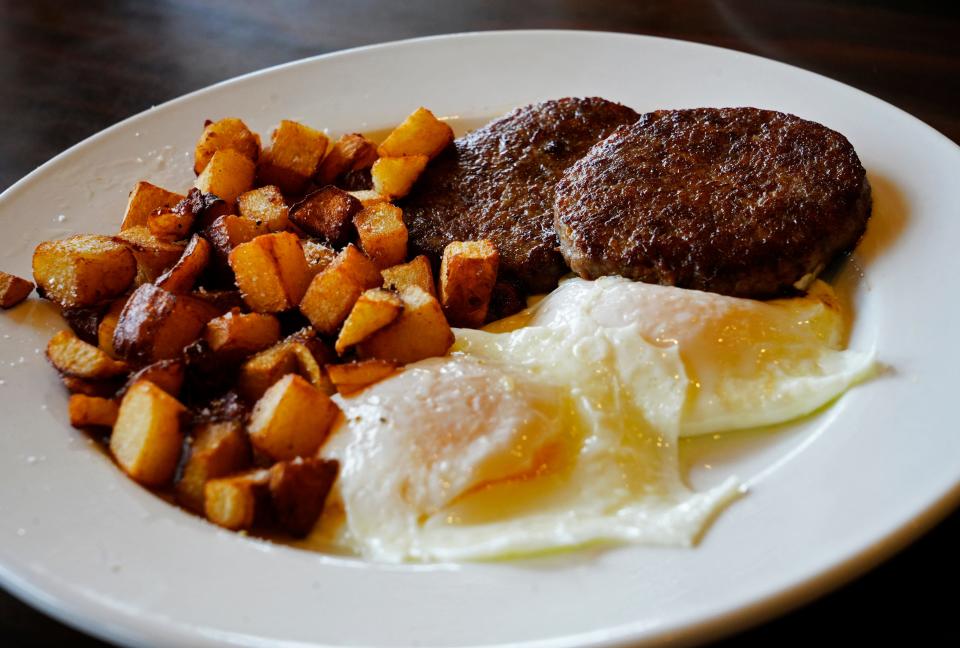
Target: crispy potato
168, 375
239, 335
329, 299
368, 197
420, 332
310, 369
217, 449
72, 356
420, 134
147, 439
351, 377
383, 235
234, 502
297, 354
327, 213
291, 419
373, 310
170, 224
468, 272
91, 411
83, 270
271, 272
352, 152
222, 300
183, 274
227, 175
144, 200
413, 273
319, 255
357, 265
227, 133
153, 255
13, 290
293, 157
298, 492
394, 176
227, 232
265, 206
108, 324
156, 324
106, 388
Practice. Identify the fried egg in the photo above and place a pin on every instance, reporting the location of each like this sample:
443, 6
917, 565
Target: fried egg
559, 426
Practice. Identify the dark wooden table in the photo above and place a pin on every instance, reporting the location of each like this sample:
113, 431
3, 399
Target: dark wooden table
68, 70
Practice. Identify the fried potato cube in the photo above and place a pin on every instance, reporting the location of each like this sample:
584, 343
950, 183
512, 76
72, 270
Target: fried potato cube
217, 449
373, 310
333, 292
170, 225
327, 213
291, 419
13, 290
146, 438
309, 368
293, 157
183, 274
394, 176
108, 325
368, 197
352, 152
229, 231
351, 377
298, 492
144, 200
156, 324
236, 334
319, 255
83, 270
91, 411
468, 272
265, 206
383, 234
271, 272
420, 332
228, 174
153, 255
233, 502
357, 265
227, 133
106, 388
72, 356
168, 375
413, 273
421, 133
264, 369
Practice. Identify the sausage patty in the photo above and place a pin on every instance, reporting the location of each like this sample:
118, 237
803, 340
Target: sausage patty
738, 201
497, 183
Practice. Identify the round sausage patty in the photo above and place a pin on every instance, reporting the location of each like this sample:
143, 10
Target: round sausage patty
497, 183
738, 201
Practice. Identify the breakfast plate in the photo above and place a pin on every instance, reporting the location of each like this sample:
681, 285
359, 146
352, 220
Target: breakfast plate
827, 496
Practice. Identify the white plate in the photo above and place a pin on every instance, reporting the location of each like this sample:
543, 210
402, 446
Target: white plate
830, 496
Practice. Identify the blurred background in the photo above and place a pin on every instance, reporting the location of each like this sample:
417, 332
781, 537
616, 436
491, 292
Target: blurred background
70, 69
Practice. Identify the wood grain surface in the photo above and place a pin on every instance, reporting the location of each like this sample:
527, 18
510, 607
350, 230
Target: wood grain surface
70, 69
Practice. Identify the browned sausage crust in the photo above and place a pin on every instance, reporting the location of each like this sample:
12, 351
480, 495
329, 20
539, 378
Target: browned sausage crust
497, 183
738, 201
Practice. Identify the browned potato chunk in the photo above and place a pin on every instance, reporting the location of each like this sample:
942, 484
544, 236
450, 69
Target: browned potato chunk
351, 377
227, 133
356, 264
228, 174
107, 326
333, 292
183, 274
413, 273
373, 310
168, 375
265, 206
383, 235
13, 290
91, 411
351, 153
271, 272
298, 492
72, 356
83, 270
227, 232
319, 255
146, 438
420, 332
264, 369
217, 449
368, 197
420, 134
156, 325
144, 200
153, 255
394, 176
106, 388
310, 369
293, 157
291, 419
233, 502
327, 213
468, 272
236, 334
